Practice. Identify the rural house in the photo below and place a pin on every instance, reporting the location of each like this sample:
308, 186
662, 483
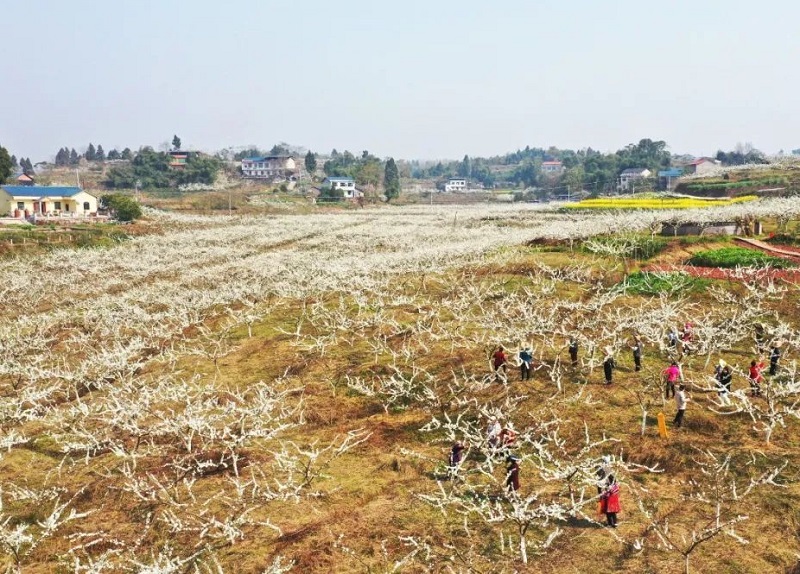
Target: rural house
552, 167
177, 159
269, 167
701, 166
629, 177
455, 184
346, 184
24, 200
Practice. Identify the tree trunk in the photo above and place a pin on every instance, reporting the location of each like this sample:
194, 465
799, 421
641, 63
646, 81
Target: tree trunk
523, 550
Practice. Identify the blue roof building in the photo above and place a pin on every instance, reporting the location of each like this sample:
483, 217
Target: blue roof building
26, 200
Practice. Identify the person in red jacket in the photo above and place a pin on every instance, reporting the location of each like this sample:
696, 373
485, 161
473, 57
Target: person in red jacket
499, 360
755, 377
609, 501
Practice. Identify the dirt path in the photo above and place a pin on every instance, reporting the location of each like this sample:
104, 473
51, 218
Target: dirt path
779, 251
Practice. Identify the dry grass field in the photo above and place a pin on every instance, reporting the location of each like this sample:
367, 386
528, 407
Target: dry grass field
279, 393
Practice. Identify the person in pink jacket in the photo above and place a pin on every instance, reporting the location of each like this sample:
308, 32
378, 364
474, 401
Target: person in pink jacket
671, 376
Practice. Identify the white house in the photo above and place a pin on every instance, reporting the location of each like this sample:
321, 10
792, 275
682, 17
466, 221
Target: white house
25, 200
552, 167
629, 177
456, 184
346, 184
269, 167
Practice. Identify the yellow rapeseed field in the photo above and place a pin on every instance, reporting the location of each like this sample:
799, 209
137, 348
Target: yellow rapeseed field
655, 202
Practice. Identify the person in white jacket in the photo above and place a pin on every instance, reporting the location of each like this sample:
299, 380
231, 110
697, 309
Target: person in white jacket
680, 402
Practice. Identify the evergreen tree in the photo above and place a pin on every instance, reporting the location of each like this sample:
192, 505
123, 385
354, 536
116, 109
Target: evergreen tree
14, 163
62, 157
74, 158
6, 168
465, 167
126, 154
100, 154
311, 164
391, 180
90, 153
113, 154
176, 143
27, 166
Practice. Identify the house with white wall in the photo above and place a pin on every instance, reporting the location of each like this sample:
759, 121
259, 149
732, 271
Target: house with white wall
269, 167
552, 168
455, 184
346, 184
629, 177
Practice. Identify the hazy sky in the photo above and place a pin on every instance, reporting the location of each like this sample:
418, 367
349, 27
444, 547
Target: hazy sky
410, 79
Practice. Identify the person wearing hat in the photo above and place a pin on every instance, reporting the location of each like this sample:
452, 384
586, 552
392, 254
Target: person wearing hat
525, 360
724, 377
512, 474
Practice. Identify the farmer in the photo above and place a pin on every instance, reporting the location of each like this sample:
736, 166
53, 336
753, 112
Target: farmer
573, 351
774, 357
454, 460
637, 354
609, 501
680, 402
512, 474
687, 334
723, 376
608, 365
672, 338
506, 439
671, 375
755, 377
525, 360
760, 337
499, 361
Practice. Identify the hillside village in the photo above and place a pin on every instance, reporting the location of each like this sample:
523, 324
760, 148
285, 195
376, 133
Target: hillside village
532, 174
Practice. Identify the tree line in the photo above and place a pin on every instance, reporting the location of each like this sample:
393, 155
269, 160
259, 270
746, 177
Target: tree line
70, 157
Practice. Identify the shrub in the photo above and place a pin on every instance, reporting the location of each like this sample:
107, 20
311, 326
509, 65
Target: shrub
729, 257
123, 207
655, 283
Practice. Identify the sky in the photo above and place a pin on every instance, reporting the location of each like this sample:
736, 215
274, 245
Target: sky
431, 79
